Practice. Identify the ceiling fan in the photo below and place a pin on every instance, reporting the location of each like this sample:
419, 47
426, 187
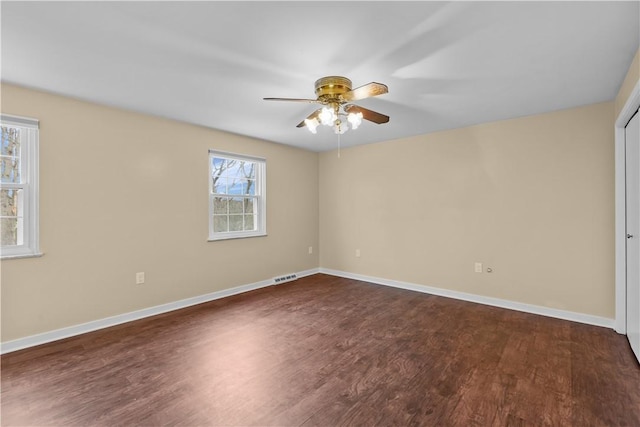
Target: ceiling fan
335, 93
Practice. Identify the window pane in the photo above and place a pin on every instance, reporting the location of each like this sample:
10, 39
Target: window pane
230, 168
249, 170
11, 211
242, 170
225, 174
234, 187
10, 141
235, 222
11, 202
220, 185
238, 171
10, 169
217, 164
249, 187
235, 206
248, 222
10, 231
220, 205
220, 224
248, 206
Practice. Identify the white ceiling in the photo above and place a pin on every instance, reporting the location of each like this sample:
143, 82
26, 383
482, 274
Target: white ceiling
447, 64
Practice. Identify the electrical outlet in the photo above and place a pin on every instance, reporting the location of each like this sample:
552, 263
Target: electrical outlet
478, 267
310, 250
357, 253
140, 278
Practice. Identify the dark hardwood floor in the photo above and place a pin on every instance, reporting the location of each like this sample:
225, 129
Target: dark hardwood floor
327, 351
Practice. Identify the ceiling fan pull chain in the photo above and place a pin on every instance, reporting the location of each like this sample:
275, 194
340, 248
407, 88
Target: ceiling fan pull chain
338, 145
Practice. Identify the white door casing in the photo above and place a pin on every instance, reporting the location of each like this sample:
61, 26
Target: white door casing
624, 116
632, 171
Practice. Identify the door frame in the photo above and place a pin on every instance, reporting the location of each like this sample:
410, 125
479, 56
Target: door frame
629, 109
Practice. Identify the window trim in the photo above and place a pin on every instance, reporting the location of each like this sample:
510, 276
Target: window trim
261, 196
29, 145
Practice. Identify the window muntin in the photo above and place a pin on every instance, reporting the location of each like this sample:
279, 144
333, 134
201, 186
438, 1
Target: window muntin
236, 196
18, 187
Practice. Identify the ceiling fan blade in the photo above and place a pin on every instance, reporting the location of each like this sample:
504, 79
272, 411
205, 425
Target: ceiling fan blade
370, 115
366, 91
309, 117
310, 101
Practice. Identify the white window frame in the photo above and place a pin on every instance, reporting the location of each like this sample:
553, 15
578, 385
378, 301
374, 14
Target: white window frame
260, 205
29, 141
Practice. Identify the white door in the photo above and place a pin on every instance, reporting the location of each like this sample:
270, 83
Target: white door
632, 143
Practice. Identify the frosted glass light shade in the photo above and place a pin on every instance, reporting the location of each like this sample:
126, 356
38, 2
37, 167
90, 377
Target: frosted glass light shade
312, 124
327, 116
355, 119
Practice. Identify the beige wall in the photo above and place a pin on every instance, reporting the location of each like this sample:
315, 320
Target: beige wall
532, 198
630, 81
122, 192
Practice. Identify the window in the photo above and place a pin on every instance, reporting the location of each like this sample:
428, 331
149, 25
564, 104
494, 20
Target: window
19, 187
237, 203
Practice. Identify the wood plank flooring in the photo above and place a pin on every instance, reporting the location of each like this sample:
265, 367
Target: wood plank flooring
327, 351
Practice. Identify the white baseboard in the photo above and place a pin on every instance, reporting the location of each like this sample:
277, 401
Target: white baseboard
309, 272
58, 334
495, 302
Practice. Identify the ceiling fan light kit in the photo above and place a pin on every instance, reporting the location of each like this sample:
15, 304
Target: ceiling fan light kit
333, 92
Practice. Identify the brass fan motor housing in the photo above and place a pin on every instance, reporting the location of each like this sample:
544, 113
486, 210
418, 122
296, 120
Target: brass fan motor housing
331, 87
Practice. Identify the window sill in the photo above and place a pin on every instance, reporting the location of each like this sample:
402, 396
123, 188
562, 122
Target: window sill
20, 256
247, 236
